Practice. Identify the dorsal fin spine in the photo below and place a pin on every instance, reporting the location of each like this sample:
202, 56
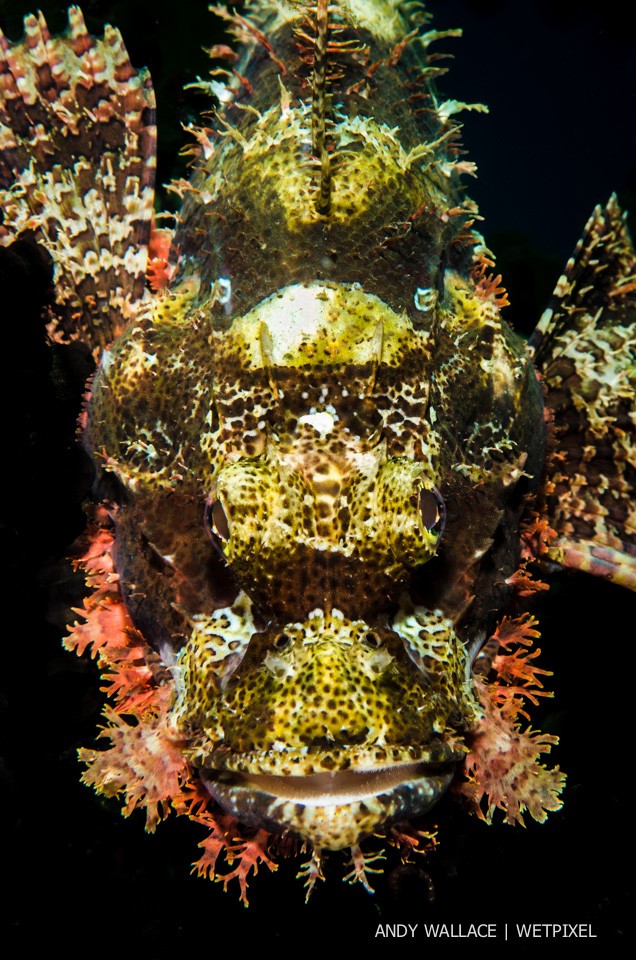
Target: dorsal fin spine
319, 106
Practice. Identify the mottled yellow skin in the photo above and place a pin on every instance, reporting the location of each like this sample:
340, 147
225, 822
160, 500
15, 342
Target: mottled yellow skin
287, 421
328, 683
310, 671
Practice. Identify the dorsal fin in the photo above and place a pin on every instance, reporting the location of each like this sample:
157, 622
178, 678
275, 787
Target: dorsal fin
319, 105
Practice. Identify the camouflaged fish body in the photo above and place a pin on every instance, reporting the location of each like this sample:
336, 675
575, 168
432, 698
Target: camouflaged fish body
321, 434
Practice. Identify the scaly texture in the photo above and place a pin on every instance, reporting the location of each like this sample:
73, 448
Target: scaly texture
330, 463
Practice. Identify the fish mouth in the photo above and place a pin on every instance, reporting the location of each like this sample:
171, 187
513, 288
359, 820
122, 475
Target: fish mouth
332, 809
334, 787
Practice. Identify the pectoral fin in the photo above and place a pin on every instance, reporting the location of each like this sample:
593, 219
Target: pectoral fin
585, 351
77, 164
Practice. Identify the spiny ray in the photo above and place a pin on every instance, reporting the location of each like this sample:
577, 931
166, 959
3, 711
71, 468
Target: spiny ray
320, 105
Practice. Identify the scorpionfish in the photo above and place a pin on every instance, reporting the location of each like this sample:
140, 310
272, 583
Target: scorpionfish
328, 472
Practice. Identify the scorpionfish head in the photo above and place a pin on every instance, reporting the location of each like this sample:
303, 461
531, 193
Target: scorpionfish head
317, 690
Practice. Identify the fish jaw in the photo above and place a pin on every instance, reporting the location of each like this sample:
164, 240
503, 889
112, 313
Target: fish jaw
332, 811
324, 727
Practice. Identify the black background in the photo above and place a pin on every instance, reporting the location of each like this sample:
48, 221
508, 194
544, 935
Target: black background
559, 79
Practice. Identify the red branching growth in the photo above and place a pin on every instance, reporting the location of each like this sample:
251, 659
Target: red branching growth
517, 666
106, 624
410, 840
159, 241
222, 828
525, 583
159, 271
247, 33
221, 51
204, 147
490, 288
502, 769
159, 274
487, 285
130, 685
521, 630
536, 537
105, 618
517, 675
395, 54
361, 866
250, 854
145, 760
310, 872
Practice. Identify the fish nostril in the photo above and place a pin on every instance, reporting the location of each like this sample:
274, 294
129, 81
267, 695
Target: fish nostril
371, 640
283, 641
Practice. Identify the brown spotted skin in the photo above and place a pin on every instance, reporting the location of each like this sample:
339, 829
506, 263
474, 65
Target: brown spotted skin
304, 378
326, 378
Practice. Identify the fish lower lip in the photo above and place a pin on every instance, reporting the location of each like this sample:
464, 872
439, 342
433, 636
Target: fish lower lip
333, 809
329, 788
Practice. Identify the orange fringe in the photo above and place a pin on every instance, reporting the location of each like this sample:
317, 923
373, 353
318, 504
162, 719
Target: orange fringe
145, 761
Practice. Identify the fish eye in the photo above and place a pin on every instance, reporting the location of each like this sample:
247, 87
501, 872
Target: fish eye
216, 523
432, 510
